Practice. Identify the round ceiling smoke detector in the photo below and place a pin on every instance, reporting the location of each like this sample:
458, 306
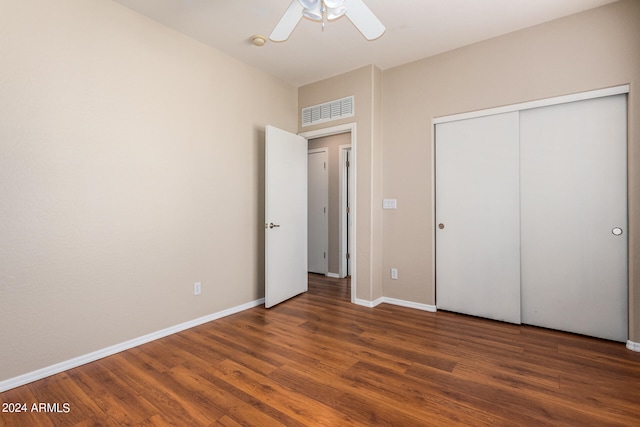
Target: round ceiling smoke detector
258, 40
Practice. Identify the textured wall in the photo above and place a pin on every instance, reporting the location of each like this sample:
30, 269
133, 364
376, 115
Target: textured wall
131, 166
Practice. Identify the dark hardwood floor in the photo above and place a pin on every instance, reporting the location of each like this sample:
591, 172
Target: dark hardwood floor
318, 360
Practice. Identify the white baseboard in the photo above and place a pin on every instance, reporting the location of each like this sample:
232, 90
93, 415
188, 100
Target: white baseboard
410, 304
367, 303
403, 303
99, 354
633, 346
334, 275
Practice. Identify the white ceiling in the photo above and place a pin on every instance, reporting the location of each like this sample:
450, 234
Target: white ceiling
415, 29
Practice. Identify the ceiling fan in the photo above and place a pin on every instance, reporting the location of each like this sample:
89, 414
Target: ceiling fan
328, 10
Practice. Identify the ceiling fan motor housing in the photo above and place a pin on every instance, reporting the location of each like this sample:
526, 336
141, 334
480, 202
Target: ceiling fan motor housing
327, 10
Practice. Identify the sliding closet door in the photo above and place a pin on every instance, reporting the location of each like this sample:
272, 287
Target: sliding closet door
573, 207
477, 217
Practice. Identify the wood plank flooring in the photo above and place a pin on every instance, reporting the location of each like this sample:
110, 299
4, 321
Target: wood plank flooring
318, 360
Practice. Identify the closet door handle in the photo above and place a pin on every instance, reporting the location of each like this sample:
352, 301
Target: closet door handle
441, 226
617, 231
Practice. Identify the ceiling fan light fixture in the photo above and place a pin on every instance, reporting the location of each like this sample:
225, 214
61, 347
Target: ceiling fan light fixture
335, 12
311, 4
314, 14
326, 10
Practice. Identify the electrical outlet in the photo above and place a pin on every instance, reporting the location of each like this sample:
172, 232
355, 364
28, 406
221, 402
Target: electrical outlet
394, 273
197, 288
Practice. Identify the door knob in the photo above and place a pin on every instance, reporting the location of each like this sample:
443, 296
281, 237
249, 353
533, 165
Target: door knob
441, 226
617, 231
272, 225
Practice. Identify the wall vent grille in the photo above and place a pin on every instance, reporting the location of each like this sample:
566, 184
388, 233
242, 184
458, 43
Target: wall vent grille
332, 110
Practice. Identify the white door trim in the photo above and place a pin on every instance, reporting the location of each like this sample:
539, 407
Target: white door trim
581, 96
347, 127
343, 203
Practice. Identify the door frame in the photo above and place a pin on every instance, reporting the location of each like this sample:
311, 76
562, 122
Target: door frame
346, 188
334, 130
325, 198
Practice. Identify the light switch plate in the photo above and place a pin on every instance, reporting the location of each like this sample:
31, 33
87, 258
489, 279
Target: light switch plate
389, 204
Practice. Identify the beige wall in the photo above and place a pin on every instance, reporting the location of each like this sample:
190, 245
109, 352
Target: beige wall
131, 166
332, 143
365, 84
595, 49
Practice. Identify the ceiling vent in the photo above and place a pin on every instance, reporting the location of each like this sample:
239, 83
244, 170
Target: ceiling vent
332, 110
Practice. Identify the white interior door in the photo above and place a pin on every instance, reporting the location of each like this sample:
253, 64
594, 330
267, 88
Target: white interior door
285, 215
318, 204
574, 193
477, 217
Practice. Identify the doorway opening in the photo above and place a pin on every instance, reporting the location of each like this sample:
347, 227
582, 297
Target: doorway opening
340, 143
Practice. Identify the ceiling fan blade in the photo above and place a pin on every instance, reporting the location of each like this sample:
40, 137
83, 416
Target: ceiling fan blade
364, 20
288, 22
